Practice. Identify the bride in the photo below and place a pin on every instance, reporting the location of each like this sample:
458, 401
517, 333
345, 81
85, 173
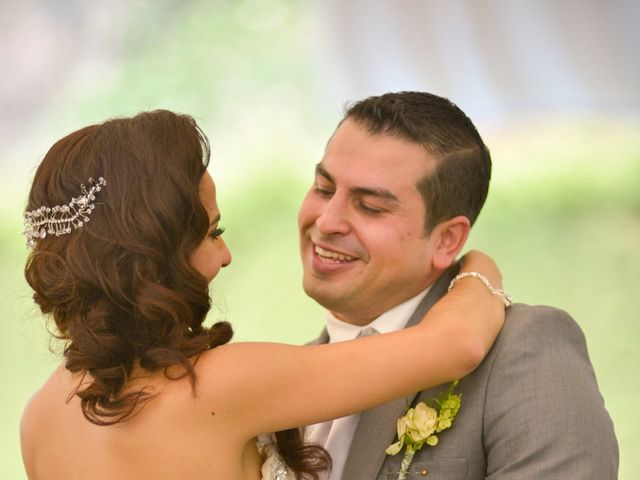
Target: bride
125, 235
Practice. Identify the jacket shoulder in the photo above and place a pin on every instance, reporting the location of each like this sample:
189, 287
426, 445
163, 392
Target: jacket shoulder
539, 321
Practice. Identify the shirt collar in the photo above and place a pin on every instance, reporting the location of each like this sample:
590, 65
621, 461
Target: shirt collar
390, 321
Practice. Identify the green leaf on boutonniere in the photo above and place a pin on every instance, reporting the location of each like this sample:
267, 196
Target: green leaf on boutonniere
420, 424
448, 405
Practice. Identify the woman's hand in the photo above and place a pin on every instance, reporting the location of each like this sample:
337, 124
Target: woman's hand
470, 312
472, 300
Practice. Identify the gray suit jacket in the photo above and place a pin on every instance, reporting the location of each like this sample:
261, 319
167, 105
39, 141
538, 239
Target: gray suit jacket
532, 409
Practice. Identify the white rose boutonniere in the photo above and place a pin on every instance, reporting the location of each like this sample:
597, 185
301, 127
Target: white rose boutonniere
420, 424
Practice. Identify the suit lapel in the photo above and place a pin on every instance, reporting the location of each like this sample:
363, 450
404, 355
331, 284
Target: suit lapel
438, 290
377, 427
375, 432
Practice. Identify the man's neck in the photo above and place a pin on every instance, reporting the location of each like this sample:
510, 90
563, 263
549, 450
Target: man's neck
391, 320
353, 320
364, 316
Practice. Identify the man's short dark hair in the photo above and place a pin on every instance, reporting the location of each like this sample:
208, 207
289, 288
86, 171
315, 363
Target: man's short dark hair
460, 181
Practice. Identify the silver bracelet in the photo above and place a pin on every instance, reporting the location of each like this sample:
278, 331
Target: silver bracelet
506, 298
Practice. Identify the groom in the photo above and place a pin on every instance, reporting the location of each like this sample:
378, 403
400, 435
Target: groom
402, 180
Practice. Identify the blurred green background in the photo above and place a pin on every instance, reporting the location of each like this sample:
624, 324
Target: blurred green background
562, 219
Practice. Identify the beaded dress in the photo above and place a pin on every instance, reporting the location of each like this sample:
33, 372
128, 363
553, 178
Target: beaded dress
273, 467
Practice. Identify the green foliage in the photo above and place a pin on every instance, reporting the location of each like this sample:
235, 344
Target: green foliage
562, 220
584, 260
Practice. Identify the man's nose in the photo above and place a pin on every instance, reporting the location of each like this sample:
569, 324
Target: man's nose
334, 218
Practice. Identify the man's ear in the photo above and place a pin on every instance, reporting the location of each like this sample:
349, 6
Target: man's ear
449, 237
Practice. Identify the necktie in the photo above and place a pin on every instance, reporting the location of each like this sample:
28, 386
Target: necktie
339, 432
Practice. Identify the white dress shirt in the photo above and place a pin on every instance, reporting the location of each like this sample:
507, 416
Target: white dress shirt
336, 435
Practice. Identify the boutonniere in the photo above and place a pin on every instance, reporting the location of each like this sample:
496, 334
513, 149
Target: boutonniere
420, 425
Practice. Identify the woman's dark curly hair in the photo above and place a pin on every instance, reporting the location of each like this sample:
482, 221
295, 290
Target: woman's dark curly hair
121, 289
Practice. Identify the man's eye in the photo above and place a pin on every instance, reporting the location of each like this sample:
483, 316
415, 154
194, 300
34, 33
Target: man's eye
369, 209
323, 191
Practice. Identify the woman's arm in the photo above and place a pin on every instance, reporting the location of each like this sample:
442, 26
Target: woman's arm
262, 387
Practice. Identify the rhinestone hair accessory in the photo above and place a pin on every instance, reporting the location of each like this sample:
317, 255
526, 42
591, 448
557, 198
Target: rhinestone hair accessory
61, 219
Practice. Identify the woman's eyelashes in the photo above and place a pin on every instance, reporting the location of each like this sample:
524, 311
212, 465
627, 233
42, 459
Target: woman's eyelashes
217, 232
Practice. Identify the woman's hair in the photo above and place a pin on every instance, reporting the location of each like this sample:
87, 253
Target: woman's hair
307, 460
121, 289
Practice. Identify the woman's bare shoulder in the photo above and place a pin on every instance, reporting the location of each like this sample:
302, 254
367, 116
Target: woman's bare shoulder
41, 399
221, 369
232, 365
229, 373
39, 412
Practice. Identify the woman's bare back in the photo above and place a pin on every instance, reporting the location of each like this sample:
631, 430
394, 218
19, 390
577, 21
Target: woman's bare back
173, 436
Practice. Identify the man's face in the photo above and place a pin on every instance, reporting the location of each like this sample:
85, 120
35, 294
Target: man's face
361, 225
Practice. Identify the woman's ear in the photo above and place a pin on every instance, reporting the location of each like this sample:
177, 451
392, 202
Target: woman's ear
449, 238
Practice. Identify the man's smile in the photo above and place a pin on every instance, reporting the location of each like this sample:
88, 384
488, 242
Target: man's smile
325, 260
331, 256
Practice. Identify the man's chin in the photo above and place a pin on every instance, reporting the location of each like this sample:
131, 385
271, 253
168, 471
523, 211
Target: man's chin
331, 297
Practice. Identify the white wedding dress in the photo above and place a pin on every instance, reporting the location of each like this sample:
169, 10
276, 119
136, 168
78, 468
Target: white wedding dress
273, 467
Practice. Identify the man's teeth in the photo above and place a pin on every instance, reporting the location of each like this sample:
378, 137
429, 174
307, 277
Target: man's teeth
326, 254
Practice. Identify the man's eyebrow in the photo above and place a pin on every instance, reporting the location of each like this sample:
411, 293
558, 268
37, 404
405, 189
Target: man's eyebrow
320, 170
382, 193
